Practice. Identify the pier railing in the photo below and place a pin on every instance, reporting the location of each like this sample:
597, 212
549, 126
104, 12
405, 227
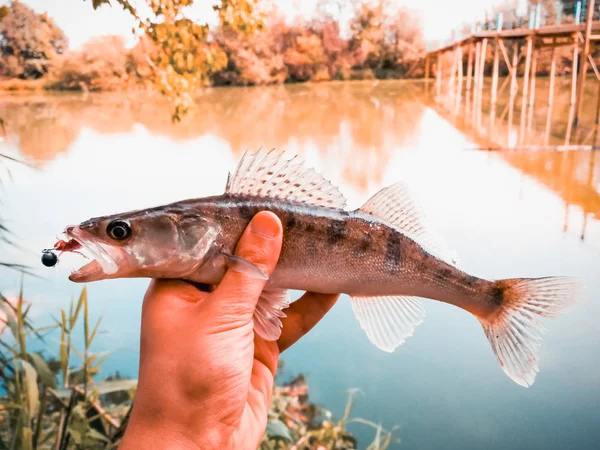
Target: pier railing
544, 13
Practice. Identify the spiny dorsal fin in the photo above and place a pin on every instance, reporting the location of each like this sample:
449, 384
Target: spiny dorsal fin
272, 174
395, 205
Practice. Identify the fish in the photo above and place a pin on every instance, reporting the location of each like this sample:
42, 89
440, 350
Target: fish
384, 256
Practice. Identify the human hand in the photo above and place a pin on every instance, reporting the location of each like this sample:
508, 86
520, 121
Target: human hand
205, 379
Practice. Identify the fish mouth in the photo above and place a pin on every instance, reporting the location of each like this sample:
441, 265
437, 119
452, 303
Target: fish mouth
102, 265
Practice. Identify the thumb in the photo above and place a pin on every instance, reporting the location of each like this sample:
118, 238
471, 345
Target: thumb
260, 245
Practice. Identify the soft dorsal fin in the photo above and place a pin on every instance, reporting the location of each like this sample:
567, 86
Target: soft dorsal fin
395, 205
272, 174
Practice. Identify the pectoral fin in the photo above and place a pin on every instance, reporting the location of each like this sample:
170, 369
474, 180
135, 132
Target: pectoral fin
244, 266
268, 313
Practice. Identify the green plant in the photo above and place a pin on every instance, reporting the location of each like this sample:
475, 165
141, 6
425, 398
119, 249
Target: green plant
36, 413
48, 403
295, 423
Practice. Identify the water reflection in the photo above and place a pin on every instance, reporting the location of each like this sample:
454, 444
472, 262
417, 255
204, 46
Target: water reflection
538, 149
364, 118
504, 212
546, 124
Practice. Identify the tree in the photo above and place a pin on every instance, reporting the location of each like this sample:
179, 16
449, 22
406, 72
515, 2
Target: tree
367, 28
334, 46
186, 56
404, 43
101, 65
385, 36
305, 56
253, 61
28, 42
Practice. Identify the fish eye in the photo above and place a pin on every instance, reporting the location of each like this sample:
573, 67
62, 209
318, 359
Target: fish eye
118, 230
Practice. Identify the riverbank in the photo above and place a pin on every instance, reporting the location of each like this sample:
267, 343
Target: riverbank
46, 84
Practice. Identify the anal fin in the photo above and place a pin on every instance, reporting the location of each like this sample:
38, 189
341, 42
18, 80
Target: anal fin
268, 313
388, 321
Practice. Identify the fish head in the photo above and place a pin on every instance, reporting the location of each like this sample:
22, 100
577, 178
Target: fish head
150, 243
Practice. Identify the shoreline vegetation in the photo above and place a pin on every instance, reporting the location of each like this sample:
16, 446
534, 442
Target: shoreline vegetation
379, 42
49, 402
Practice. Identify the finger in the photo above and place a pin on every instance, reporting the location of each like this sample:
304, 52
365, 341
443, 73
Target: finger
260, 245
266, 352
303, 315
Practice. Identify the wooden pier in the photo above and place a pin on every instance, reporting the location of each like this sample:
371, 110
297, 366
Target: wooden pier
517, 51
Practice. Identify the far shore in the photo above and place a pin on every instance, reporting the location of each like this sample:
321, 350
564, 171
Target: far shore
17, 86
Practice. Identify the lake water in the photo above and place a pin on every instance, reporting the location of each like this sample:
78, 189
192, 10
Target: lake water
507, 214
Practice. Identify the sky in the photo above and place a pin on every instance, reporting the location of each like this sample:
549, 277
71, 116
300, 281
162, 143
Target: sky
80, 22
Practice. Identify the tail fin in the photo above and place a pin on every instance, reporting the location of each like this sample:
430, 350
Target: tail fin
515, 332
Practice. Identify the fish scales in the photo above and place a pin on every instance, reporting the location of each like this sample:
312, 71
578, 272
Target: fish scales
334, 251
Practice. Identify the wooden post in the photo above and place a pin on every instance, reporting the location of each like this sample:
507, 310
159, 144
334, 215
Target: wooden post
482, 56
525, 89
438, 81
598, 107
532, 89
469, 78
495, 83
427, 67
551, 97
584, 60
597, 131
451, 81
476, 82
513, 90
573, 92
460, 81
590, 184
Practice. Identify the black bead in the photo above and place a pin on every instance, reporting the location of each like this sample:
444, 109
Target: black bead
49, 258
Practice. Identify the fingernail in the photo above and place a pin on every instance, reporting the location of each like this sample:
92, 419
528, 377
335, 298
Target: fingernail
265, 224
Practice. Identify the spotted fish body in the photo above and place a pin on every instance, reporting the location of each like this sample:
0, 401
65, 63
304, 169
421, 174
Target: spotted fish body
383, 255
319, 242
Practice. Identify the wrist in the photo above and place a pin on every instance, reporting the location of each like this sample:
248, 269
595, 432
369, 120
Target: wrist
139, 436
156, 431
